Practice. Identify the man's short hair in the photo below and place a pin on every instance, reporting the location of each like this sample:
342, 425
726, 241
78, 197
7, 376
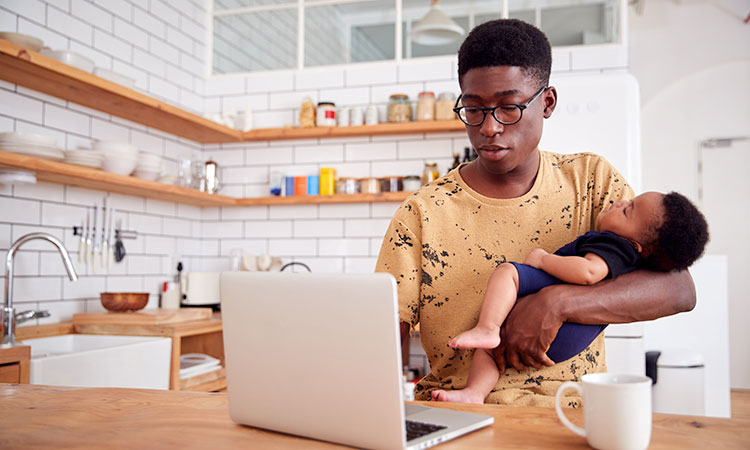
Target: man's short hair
680, 238
507, 42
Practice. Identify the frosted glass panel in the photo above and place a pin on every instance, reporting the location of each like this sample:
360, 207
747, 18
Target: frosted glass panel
265, 40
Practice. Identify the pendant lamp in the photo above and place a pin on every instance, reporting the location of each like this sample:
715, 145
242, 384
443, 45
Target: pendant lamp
436, 28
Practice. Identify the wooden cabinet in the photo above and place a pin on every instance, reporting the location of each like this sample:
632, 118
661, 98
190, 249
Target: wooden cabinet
204, 336
14, 364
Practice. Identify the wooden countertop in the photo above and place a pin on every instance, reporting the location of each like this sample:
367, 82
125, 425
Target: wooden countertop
55, 417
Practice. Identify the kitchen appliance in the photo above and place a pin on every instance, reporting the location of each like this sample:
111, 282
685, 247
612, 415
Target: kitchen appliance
199, 288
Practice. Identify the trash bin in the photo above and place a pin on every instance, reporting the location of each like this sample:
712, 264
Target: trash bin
678, 381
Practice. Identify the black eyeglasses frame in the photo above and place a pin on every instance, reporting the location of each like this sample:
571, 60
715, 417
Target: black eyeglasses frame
521, 107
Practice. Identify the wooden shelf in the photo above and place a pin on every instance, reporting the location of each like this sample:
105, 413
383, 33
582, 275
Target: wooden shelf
86, 177
288, 133
325, 199
40, 73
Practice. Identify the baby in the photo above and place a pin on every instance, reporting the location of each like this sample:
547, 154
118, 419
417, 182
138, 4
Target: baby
654, 231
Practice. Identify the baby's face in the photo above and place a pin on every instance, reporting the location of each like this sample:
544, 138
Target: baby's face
633, 219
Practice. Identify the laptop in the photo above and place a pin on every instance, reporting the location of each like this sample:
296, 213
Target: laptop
319, 356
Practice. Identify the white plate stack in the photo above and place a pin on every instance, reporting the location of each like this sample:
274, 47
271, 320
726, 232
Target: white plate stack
84, 157
149, 166
31, 144
70, 58
118, 157
193, 364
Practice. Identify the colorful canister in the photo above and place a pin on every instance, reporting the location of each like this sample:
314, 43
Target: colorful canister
327, 181
313, 185
288, 186
300, 185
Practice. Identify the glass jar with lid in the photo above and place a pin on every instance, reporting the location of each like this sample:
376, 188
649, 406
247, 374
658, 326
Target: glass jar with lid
444, 106
426, 106
430, 172
392, 184
326, 114
369, 185
412, 182
399, 108
347, 185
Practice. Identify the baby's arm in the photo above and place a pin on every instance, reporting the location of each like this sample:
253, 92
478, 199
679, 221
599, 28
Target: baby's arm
588, 269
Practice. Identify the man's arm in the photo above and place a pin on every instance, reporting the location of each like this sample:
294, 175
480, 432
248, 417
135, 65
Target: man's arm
641, 295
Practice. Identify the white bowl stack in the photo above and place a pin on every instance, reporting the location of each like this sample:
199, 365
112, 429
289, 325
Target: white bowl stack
149, 166
31, 144
118, 157
85, 157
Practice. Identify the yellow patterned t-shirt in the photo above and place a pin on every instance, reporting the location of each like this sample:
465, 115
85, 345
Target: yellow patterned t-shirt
445, 240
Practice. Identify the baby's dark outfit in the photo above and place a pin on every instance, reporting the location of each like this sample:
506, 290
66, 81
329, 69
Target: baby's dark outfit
621, 257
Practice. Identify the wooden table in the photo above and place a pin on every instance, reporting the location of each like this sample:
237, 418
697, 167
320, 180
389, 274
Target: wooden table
62, 417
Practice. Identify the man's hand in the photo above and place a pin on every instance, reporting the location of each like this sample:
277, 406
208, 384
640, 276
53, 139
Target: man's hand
534, 258
528, 332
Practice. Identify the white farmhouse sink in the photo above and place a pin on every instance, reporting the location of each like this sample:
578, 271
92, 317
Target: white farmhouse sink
87, 360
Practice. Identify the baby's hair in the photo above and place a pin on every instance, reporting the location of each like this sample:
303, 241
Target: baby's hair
680, 238
507, 42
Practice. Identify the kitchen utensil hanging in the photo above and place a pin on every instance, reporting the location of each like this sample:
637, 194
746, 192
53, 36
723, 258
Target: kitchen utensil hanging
119, 253
101, 241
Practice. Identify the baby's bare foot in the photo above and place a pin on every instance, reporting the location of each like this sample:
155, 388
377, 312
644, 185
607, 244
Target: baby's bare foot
477, 338
459, 396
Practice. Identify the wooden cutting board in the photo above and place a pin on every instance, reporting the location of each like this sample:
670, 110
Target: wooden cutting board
145, 317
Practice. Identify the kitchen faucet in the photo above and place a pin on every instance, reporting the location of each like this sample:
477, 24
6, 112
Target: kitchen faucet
9, 316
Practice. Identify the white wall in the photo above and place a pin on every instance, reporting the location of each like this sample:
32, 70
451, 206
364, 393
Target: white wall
692, 60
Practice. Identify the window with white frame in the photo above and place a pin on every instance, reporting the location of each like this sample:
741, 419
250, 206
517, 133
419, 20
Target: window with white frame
262, 35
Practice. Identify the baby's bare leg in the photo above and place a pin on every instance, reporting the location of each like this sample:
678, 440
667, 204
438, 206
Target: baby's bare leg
483, 376
502, 290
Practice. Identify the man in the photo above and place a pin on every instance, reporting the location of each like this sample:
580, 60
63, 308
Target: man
446, 239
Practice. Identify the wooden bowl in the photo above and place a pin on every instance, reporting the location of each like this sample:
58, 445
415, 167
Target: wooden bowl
124, 301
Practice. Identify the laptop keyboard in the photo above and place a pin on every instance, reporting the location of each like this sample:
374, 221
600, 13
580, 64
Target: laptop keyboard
419, 429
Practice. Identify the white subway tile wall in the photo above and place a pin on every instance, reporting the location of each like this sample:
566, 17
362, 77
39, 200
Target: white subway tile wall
161, 45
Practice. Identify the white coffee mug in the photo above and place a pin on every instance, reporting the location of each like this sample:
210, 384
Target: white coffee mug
616, 410
371, 115
357, 116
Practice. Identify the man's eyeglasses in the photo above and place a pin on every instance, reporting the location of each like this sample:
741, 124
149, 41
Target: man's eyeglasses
506, 114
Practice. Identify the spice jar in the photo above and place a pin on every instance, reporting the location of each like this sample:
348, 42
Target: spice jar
412, 183
444, 106
326, 115
391, 184
369, 185
430, 172
347, 186
399, 108
426, 106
